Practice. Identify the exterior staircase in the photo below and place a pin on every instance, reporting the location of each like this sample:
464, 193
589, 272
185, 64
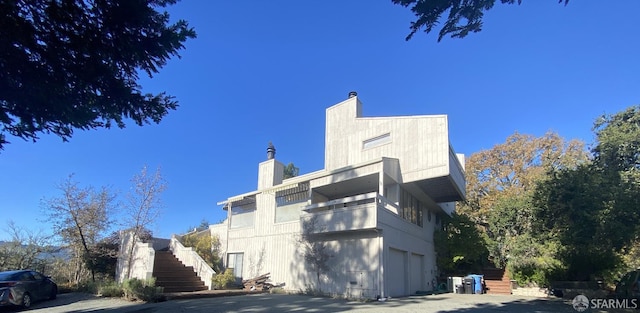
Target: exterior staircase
497, 281
174, 276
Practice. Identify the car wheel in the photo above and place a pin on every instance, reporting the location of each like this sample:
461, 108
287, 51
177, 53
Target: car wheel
26, 301
54, 293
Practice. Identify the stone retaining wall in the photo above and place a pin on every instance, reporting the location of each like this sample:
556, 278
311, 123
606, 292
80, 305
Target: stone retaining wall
530, 292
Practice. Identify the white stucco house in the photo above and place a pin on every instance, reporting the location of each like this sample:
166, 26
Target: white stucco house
386, 183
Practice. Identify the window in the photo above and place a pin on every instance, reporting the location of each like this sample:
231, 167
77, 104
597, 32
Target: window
26, 276
242, 215
37, 276
411, 208
289, 203
234, 262
376, 141
293, 195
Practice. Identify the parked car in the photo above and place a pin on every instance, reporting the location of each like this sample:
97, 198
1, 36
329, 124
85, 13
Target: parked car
24, 287
629, 286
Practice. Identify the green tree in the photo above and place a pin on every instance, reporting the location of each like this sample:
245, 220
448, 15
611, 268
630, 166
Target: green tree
501, 183
514, 243
459, 246
573, 209
593, 209
204, 224
618, 142
104, 255
291, 171
463, 17
74, 64
511, 170
207, 247
617, 155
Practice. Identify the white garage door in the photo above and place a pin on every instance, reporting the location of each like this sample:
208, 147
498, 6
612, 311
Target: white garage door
397, 273
416, 275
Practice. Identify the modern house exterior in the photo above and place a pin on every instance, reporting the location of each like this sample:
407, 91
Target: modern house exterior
371, 212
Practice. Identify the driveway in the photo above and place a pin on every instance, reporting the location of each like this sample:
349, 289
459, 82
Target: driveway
295, 303
78, 302
444, 303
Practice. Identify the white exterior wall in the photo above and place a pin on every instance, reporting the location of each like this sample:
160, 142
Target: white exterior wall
270, 173
355, 266
268, 247
369, 244
412, 239
420, 143
143, 258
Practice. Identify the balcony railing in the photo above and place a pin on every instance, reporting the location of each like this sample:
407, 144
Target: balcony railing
347, 214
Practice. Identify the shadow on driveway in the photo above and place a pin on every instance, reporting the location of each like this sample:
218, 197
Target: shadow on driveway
444, 303
298, 303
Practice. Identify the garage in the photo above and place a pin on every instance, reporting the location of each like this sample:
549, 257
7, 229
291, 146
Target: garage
397, 273
416, 276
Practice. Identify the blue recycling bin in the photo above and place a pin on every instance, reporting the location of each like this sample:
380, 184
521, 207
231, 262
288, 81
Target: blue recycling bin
477, 283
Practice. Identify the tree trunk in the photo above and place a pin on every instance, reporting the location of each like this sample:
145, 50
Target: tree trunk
134, 237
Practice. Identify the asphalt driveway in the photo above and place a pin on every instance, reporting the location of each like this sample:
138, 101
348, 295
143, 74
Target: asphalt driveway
444, 303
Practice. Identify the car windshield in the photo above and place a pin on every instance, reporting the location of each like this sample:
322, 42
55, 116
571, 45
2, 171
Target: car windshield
5, 276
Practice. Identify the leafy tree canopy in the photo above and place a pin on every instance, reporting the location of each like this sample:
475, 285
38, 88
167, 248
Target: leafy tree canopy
291, 171
74, 64
618, 146
459, 246
464, 16
511, 169
593, 209
501, 182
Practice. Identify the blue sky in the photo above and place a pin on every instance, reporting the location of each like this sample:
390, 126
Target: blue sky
263, 71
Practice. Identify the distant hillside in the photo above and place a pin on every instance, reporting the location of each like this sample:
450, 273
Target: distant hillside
52, 252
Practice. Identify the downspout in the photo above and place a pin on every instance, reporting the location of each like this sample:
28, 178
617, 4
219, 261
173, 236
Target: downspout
379, 232
226, 247
380, 261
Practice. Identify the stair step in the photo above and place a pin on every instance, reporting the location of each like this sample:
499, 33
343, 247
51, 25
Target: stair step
181, 283
172, 289
499, 291
498, 285
173, 269
174, 276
